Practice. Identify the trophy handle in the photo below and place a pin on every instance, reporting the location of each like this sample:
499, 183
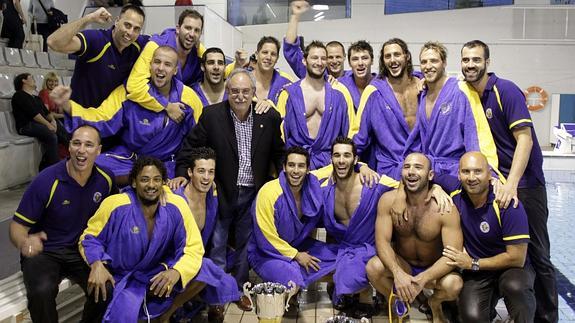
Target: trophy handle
247, 293
291, 292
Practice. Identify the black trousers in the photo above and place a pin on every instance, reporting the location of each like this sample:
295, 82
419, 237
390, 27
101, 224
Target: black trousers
13, 29
482, 289
48, 139
535, 203
42, 275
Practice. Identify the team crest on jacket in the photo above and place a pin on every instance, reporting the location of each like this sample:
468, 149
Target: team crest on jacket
489, 113
445, 108
484, 227
97, 197
135, 230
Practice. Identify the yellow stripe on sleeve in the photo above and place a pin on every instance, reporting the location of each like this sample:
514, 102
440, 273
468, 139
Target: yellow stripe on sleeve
520, 121
137, 85
23, 218
498, 97
497, 212
108, 179
102, 52
83, 40
99, 220
265, 210
282, 102
452, 194
516, 237
105, 112
52, 190
189, 264
191, 98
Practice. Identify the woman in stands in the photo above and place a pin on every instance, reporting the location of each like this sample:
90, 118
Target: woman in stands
50, 82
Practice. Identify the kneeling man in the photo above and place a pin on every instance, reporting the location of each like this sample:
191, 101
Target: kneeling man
149, 251
413, 260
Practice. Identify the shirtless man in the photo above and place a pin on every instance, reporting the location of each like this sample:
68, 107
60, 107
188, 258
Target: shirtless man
414, 260
212, 89
350, 213
328, 109
269, 81
387, 114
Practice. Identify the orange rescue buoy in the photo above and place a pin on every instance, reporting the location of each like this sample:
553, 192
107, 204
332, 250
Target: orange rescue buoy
535, 98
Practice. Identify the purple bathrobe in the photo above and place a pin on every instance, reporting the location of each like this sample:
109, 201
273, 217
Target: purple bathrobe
457, 125
223, 287
335, 121
198, 89
357, 240
279, 234
348, 80
117, 234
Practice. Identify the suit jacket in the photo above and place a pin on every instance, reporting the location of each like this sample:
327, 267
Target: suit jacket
215, 129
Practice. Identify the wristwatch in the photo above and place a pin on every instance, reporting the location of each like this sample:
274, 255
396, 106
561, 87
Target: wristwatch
474, 264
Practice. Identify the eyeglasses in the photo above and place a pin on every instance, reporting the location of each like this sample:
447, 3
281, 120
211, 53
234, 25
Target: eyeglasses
243, 92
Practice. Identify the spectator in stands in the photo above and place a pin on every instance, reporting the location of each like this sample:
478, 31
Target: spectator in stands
107, 53
36, 12
51, 80
49, 220
12, 27
33, 119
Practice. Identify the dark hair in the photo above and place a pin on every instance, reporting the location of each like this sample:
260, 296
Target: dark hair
436, 46
87, 126
192, 14
344, 141
335, 43
313, 44
210, 51
18, 81
144, 161
268, 39
200, 153
133, 7
360, 46
299, 151
475, 43
383, 71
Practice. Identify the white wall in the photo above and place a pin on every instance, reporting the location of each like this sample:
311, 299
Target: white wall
540, 62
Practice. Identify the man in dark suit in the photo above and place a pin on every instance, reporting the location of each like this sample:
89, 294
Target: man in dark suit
248, 146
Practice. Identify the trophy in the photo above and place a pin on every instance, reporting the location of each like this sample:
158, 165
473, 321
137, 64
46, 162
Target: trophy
345, 319
271, 300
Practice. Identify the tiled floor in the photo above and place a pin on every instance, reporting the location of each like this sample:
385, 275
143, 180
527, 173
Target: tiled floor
561, 225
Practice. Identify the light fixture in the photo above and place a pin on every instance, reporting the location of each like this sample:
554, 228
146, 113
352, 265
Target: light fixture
319, 18
270, 8
318, 14
320, 7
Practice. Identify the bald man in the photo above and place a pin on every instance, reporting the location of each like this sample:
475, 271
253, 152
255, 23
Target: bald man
495, 261
414, 260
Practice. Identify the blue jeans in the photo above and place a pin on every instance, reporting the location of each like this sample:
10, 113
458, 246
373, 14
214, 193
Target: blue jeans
239, 215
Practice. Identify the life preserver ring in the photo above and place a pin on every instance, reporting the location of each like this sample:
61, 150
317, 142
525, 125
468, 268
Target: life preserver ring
535, 98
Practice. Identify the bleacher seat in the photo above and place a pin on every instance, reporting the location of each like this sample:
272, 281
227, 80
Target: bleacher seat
13, 57
39, 78
6, 85
2, 60
8, 130
5, 105
58, 60
28, 58
42, 59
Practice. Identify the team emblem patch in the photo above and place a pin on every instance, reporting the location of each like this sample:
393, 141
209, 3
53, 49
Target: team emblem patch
388, 107
445, 108
97, 197
145, 122
489, 113
484, 227
135, 230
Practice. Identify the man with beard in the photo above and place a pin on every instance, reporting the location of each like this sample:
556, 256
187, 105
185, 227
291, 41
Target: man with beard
212, 89
143, 132
150, 252
202, 200
520, 161
350, 213
269, 82
387, 110
292, 47
314, 112
360, 59
108, 54
450, 120
494, 261
414, 261
286, 212
49, 220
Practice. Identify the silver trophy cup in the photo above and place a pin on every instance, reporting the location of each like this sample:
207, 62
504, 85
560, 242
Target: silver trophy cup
272, 300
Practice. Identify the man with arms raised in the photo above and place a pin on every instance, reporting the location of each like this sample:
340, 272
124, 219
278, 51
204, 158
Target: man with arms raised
520, 161
387, 110
108, 54
315, 113
287, 210
350, 213
49, 220
143, 132
149, 251
494, 261
269, 82
293, 53
414, 260
211, 89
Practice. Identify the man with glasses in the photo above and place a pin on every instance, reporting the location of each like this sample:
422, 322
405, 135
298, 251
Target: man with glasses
247, 144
